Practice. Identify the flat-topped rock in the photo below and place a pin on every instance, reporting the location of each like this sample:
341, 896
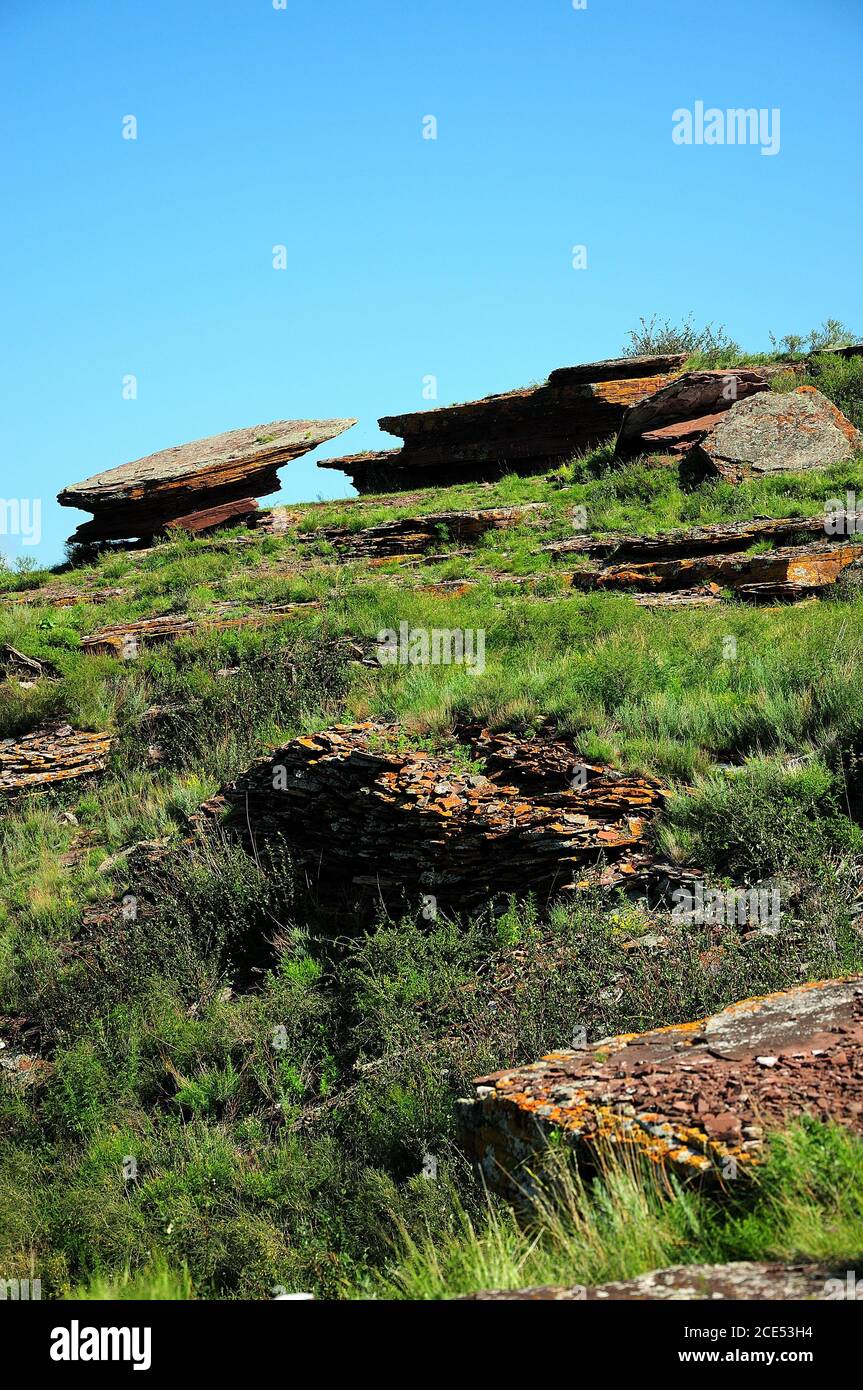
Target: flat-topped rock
140, 498
741, 1280
698, 1098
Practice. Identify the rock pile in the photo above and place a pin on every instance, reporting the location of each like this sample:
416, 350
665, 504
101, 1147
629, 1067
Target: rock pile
696, 1097
360, 812
523, 431
139, 499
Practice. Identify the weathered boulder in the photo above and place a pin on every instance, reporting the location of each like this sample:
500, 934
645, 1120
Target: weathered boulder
696, 1097
685, 409
773, 433
524, 431
739, 1280
51, 755
362, 813
139, 499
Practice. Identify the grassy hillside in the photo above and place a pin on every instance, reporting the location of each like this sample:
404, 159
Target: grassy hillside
241, 1101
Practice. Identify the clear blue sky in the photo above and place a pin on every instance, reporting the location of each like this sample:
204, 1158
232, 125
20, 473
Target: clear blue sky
406, 257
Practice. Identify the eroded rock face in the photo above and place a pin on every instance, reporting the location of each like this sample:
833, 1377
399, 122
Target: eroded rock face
51, 755
696, 1097
773, 433
360, 812
788, 572
525, 431
139, 499
740, 1280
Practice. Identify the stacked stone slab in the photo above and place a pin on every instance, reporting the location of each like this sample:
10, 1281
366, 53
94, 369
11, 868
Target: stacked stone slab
47, 756
140, 499
696, 1098
524, 431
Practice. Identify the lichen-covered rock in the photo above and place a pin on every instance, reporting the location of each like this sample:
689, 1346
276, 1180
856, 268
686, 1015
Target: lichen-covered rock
696, 1097
51, 755
773, 433
139, 499
686, 408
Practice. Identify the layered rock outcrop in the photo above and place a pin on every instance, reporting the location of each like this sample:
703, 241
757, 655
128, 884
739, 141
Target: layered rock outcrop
682, 411
139, 499
697, 1097
51, 755
126, 639
523, 431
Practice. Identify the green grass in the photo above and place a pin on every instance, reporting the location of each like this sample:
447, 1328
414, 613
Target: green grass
804, 1207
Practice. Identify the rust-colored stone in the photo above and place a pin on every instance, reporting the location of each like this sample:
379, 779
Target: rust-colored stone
668, 1094
361, 812
203, 523
124, 639
524, 431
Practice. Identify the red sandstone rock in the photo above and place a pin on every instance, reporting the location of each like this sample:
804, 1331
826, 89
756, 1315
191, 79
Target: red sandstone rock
684, 407
523, 431
212, 518
360, 812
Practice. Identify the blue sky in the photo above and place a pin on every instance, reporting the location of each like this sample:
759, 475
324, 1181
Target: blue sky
406, 257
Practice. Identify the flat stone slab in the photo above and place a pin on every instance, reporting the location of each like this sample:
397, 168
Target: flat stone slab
139, 498
697, 1097
739, 1280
